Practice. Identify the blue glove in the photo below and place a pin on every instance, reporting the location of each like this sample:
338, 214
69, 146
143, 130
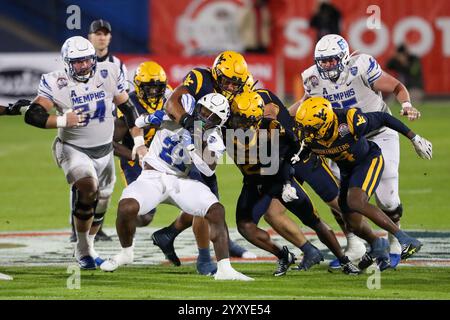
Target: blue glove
186, 140
155, 118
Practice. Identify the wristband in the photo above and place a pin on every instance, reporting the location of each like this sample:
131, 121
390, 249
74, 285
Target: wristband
61, 121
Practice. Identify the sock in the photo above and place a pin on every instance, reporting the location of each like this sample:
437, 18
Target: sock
235, 249
203, 255
344, 260
92, 251
401, 236
128, 251
83, 243
307, 248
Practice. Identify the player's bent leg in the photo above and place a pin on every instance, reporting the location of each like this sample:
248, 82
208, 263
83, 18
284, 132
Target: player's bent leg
205, 265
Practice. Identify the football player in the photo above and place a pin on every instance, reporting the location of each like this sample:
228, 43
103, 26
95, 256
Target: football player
260, 187
356, 80
315, 172
165, 178
84, 95
340, 134
100, 34
227, 76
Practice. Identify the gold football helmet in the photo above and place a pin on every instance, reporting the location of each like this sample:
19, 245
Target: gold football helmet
314, 118
247, 110
150, 83
230, 73
250, 83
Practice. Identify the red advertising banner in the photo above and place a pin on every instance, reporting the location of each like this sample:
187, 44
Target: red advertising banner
193, 27
262, 67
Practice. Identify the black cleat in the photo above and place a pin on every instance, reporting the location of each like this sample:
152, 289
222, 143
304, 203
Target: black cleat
349, 268
366, 261
411, 247
102, 236
285, 262
165, 242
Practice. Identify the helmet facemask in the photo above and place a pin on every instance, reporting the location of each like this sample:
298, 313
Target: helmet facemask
83, 68
151, 92
333, 71
207, 118
229, 87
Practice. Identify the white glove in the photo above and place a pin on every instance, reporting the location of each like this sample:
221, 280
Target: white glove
215, 143
423, 147
138, 142
289, 193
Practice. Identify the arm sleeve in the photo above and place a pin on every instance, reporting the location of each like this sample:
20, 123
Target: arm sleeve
364, 123
122, 84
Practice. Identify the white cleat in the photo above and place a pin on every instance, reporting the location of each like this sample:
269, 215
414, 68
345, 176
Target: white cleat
115, 262
231, 274
5, 277
355, 249
249, 255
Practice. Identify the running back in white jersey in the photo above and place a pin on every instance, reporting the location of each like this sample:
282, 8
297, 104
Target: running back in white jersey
94, 98
167, 154
352, 89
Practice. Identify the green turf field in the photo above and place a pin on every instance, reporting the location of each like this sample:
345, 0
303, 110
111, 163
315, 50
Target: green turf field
181, 283
34, 196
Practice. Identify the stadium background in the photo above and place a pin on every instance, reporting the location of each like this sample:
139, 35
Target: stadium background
181, 34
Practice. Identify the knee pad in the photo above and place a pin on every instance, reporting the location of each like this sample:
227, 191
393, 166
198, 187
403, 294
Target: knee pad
81, 210
396, 214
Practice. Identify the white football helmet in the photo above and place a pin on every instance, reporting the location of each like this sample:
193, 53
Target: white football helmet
331, 55
219, 110
77, 49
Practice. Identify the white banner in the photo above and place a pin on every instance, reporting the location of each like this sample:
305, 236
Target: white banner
20, 73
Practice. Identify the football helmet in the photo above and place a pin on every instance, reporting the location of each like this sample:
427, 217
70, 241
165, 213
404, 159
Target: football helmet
314, 118
150, 83
247, 110
212, 110
331, 55
79, 58
250, 83
230, 73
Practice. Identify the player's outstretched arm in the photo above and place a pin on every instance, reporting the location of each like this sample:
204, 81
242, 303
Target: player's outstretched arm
37, 115
175, 110
423, 147
15, 109
388, 84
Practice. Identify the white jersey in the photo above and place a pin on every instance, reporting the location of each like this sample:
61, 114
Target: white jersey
94, 98
352, 89
167, 154
119, 63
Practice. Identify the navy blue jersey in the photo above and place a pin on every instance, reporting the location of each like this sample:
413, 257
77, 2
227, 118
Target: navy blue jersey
199, 82
283, 115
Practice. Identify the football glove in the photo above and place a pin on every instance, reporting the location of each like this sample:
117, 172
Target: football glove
423, 147
289, 193
154, 119
15, 109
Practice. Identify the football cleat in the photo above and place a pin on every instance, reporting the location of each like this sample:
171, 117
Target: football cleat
235, 249
395, 259
350, 269
98, 261
231, 274
380, 252
87, 263
165, 242
115, 262
206, 268
355, 249
334, 265
284, 262
309, 260
410, 247
366, 261
383, 263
